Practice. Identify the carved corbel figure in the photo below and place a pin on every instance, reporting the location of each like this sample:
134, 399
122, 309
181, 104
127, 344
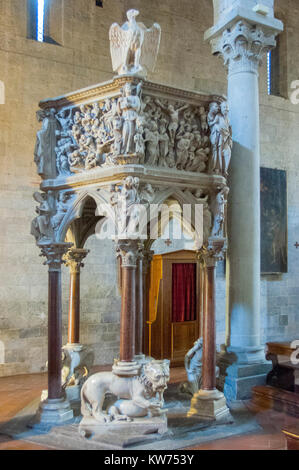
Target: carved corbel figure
41, 227
62, 206
219, 212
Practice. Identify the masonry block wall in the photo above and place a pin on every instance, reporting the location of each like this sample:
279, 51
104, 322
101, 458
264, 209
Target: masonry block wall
32, 71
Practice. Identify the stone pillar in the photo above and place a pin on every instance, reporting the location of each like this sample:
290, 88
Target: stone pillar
74, 260
56, 409
129, 250
242, 36
209, 403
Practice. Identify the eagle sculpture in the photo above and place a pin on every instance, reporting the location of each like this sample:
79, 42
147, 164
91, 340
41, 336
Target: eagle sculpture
134, 48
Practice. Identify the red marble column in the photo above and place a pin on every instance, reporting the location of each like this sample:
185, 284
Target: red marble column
129, 250
127, 319
209, 328
74, 260
54, 253
139, 308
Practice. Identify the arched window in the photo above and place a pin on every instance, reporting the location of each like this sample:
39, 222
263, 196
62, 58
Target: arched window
45, 20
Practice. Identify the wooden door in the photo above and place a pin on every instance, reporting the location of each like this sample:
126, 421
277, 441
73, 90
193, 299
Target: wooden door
169, 338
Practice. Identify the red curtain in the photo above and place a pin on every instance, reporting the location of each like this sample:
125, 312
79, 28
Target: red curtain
183, 292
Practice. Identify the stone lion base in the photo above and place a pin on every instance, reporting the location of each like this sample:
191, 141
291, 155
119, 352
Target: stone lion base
124, 432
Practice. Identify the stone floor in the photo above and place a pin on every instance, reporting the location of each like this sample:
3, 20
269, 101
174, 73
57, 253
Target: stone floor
17, 392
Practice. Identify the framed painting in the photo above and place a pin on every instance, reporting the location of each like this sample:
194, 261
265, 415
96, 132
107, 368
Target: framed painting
274, 221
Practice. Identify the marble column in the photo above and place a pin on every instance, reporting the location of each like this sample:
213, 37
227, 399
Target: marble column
242, 35
129, 250
74, 260
55, 409
209, 403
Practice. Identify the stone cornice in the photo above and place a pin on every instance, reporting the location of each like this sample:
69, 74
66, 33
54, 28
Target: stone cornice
239, 13
158, 176
112, 87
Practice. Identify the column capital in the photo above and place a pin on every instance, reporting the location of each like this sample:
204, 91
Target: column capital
147, 259
130, 252
210, 254
243, 46
54, 252
74, 259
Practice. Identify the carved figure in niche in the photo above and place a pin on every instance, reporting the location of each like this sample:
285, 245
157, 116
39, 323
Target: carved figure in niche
134, 48
203, 119
41, 227
64, 147
140, 143
110, 113
183, 146
136, 397
170, 158
219, 212
128, 107
152, 138
64, 117
117, 135
174, 115
75, 160
61, 209
163, 141
43, 140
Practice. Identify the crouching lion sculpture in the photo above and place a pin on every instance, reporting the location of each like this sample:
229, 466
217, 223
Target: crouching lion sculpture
136, 397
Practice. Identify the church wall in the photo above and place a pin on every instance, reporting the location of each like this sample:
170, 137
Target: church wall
32, 71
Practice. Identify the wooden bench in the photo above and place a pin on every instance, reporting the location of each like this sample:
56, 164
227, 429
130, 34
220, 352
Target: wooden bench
284, 373
267, 397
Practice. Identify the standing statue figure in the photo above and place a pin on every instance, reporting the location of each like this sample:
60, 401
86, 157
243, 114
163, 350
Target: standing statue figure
226, 141
213, 122
221, 138
133, 47
193, 366
128, 106
44, 152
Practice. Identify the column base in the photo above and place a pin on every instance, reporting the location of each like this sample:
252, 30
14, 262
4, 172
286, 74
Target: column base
126, 369
240, 371
52, 412
210, 405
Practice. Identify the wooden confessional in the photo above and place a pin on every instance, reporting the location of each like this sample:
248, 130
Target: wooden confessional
175, 305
